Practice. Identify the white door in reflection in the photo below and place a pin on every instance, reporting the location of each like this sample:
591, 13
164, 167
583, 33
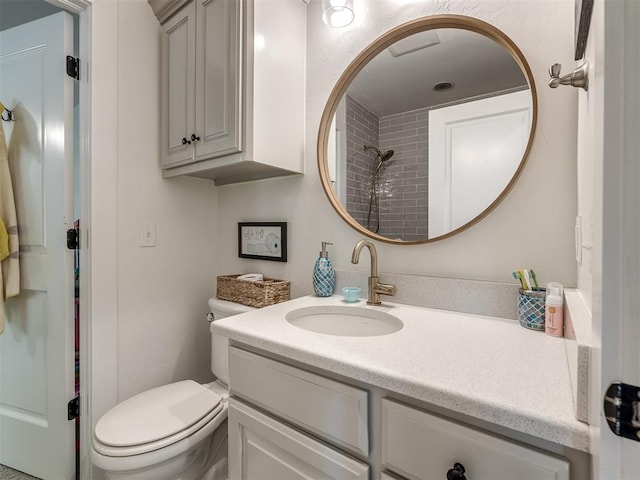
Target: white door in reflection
37, 346
474, 150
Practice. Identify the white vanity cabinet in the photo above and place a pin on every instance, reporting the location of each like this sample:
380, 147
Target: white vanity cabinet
232, 88
289, 422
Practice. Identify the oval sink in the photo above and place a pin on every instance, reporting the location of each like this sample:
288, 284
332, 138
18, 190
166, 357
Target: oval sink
344, 321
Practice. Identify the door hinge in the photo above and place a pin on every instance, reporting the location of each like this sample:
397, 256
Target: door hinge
73, 238
622, 410
73, 409
73, 67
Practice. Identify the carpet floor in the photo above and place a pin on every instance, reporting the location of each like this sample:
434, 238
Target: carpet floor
7, 473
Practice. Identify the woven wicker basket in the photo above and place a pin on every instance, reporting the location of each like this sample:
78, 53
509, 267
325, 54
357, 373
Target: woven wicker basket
254, 294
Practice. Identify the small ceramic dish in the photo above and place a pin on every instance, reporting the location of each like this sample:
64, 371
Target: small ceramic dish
351, 294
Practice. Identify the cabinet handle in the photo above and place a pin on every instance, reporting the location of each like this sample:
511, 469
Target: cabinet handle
185, 141
456, 473
195, 138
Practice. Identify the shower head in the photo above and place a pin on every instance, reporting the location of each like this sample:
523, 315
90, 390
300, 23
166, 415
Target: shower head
383, 157
386, 155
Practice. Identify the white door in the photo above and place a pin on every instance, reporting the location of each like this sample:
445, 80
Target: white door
474, 150
611, 112
37, 347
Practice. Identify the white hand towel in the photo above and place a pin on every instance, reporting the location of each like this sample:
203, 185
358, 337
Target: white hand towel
11, 264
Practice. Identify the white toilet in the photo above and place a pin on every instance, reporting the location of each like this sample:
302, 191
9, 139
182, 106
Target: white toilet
174, 432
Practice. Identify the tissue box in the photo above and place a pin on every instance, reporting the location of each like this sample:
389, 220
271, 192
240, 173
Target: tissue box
254, 294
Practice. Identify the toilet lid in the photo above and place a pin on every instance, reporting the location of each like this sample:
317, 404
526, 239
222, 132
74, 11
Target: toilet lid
156, 414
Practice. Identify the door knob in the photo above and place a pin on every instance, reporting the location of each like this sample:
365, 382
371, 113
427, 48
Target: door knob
185, 141
195, 138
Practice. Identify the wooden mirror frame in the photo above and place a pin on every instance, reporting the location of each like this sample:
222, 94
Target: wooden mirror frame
383, 42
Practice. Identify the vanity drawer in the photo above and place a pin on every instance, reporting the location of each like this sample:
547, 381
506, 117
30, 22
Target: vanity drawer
418, 445
322, 406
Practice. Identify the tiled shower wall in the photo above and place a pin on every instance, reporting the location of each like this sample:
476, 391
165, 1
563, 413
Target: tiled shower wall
404, 181
362, 129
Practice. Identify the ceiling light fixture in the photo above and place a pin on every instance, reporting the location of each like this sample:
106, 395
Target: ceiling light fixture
337, 13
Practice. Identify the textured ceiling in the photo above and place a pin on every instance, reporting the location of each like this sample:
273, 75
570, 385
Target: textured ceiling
475, 64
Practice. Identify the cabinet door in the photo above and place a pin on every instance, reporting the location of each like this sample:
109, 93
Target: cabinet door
177, 76
262, 448
418, 445
218, 78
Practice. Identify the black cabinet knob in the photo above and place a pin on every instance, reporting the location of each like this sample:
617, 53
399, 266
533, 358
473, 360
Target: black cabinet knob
195, 138
185, 141
456, 473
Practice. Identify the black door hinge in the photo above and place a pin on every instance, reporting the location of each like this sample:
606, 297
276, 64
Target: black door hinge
73, 238
622, 410
73, 408
73, 67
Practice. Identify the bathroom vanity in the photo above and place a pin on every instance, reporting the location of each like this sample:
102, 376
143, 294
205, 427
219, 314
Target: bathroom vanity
446, 393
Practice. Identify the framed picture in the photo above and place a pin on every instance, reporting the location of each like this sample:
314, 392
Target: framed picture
263, 240
583, 19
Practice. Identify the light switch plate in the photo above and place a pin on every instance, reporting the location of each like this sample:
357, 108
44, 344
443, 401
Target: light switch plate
147, 234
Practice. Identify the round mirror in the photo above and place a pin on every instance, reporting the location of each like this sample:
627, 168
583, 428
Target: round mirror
427, 129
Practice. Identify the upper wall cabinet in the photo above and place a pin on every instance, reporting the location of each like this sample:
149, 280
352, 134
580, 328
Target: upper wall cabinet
232, 104
201, 109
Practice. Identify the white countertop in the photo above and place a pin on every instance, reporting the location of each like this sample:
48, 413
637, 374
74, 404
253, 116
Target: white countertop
484, 367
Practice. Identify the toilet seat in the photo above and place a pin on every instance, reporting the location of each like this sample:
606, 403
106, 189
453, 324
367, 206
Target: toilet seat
156, 418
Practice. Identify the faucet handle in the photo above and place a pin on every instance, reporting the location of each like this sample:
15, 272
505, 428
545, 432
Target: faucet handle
386, 289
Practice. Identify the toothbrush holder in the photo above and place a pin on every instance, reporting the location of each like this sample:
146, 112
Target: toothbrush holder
531, 308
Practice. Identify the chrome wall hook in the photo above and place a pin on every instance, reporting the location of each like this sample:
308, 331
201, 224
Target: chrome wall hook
579, 77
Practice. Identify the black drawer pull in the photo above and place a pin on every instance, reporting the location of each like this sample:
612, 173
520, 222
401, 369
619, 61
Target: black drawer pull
456, 473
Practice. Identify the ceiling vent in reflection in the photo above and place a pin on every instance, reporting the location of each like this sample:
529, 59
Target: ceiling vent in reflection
443, 86
415, 42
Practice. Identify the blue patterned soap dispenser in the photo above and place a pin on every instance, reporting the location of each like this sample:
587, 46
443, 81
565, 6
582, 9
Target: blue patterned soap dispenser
324, 276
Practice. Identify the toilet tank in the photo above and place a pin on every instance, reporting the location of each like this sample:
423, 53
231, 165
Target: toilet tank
219, 344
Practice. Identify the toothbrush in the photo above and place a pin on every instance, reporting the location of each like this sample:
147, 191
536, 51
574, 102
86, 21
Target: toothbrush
517, 276
525, 285
528, 279
535, 280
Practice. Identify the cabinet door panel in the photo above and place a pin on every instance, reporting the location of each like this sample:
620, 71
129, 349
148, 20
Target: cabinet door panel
262, 448
419, 445
327, 408
218, 78
178, 86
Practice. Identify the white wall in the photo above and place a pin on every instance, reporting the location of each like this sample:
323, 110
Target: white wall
532, 228
148, 304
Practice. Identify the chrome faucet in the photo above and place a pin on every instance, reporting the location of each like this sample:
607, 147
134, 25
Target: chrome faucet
375, 287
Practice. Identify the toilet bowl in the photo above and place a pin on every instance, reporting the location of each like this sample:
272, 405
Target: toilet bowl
173, 432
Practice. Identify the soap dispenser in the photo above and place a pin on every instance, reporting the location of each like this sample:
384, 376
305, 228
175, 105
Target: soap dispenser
324, 276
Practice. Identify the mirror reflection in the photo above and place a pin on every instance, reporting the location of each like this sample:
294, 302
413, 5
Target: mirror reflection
429, 134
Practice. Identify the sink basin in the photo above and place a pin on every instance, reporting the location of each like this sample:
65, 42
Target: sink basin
344, 321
